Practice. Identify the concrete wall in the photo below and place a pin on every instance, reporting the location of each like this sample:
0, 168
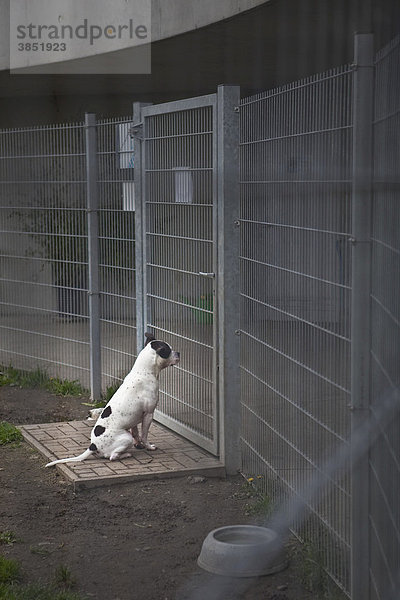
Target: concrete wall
168, 18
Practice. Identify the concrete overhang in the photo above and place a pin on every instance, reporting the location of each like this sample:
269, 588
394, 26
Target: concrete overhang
169, 18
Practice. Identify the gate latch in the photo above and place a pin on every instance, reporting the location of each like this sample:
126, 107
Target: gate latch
211, 275
136, 131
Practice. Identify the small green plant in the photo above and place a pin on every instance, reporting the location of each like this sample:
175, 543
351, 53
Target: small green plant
64, 578
10, 435
7, 538
9, 570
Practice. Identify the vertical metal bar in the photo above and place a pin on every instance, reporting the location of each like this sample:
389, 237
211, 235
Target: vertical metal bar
93, 255
228, 98
140, 229
360, 306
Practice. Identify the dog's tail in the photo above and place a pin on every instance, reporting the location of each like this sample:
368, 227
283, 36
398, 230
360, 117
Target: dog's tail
82, 456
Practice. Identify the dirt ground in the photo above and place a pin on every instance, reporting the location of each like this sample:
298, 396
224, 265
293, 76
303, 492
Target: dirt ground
137, 540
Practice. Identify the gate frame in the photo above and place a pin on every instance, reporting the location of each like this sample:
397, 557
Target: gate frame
226, 374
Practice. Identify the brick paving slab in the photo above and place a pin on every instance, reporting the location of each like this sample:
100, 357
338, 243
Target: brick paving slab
174, 456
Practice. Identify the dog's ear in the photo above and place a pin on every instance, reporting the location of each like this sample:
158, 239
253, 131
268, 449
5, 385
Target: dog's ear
161, 348
149, 338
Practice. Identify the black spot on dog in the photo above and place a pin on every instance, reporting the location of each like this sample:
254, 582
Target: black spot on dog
106, 412
162, 349
93, 447
98, 430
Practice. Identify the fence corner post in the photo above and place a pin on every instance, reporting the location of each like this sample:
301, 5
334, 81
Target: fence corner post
361, 307
228, 275
93, 255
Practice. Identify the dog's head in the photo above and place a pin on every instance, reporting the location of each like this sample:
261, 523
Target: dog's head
165, 356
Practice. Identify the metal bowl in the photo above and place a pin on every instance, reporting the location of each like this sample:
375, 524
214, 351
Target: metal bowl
242, 551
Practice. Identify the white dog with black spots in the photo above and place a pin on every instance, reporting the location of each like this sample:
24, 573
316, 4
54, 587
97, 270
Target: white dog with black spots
116, 434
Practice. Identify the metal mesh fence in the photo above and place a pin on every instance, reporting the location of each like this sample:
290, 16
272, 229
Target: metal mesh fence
385, 330
296, 176
295, 163
43, 250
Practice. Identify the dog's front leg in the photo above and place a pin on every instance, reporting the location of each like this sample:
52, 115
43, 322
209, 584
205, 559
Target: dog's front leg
137, 439
146, 422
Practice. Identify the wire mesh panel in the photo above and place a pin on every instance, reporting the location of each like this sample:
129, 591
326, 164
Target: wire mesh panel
179, 143
385, 335
295, 154
117, 249
43, 251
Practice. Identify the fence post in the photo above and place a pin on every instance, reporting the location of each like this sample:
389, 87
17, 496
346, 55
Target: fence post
360, 307
228, 276
140, 230
93, 255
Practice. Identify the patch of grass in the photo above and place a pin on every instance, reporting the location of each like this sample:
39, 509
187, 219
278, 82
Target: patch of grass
40, 379
15, 377
10, 435
36, 591
11, 589
8, 538
64, 387
64, 578
9, 570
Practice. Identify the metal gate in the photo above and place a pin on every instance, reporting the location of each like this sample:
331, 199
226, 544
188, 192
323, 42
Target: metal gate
178, 215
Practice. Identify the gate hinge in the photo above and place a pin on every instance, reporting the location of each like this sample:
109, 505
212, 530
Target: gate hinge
136, 131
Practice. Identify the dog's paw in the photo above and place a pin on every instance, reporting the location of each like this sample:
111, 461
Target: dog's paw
140, 446
151, 447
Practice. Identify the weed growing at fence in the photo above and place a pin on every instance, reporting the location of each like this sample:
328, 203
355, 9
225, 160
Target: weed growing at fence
9, 435
311, 571
39, 379
260, 504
